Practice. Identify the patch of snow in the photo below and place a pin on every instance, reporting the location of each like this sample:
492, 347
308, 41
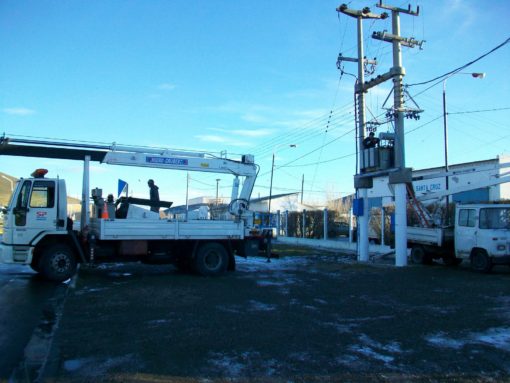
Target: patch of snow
230, 366
156, 322
260, 306
370, 353
118, 274
340, 327
95, 367
393, 347
498, 337
87, 290
373, 350
233, 366
300, 356
256, 263
441, 340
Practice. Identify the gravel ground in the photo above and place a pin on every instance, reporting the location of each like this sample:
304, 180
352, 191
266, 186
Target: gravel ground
309, 316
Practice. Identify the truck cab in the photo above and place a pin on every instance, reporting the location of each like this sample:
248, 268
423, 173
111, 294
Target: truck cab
482, 234
37, 211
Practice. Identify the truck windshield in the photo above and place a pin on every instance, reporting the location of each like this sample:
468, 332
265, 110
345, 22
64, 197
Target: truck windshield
495, 218
11, 199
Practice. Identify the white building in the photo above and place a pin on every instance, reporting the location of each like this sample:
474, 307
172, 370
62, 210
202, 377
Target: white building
464, 179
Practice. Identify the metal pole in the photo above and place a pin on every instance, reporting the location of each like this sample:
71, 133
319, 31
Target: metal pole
445, 126
85, 205
271, 186
325, 224
363, 255
217, 184
187, 193
302, 187
400, 188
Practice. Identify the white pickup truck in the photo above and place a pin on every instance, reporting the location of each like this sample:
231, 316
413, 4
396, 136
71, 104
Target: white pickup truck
481, 233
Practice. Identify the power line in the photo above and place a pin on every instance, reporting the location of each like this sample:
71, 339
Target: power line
480, 111
463, 66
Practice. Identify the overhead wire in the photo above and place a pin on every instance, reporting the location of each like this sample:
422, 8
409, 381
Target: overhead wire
452, 72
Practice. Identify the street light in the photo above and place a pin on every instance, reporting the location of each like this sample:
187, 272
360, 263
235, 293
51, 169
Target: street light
217, 184
272, 171
479, 75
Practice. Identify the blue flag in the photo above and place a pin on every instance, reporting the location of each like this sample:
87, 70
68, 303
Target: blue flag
122, 186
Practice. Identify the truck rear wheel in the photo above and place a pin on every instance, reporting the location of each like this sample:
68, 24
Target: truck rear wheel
419, 256
211, 259
57, 263
480, 261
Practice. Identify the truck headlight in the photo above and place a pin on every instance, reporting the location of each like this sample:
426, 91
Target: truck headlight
501, 247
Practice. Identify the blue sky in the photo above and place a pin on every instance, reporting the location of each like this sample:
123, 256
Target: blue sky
245, 77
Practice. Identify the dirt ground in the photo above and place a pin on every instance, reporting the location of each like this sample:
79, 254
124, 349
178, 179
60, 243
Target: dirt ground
309, 316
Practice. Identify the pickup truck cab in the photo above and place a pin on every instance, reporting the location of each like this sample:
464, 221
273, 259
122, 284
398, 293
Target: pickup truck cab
482, 234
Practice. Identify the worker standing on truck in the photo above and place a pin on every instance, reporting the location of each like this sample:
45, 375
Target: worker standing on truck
154, 195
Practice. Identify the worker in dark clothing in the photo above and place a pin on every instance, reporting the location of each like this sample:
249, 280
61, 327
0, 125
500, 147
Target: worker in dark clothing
371, 141
154, 195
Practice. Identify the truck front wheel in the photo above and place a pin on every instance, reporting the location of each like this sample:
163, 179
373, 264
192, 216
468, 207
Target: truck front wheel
480, 261
57, 263
211, 259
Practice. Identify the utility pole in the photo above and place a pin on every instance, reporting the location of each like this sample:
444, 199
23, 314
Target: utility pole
403, 175
302, 187
399, 175
217, 185
361, 184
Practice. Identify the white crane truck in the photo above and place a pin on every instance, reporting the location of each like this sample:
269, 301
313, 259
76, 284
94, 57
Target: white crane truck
480, 232
38, 232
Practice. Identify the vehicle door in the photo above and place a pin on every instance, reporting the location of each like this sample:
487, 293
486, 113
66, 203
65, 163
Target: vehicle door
34, 211
466, 229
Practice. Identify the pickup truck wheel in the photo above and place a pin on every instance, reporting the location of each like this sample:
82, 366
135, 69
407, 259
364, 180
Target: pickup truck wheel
211, 259
480, 261
419, 256
58, 263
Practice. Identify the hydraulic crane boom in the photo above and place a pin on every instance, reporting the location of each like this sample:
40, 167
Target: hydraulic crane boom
140, 157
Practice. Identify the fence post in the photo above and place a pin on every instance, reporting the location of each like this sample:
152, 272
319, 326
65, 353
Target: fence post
325, 224
278, 223
286, 223
383, 225
304, 222
351, 222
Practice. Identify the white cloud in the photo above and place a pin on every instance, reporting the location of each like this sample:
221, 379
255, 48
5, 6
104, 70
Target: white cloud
166, 86
254, 117
245, 132
221, 140
253, 132
19, 111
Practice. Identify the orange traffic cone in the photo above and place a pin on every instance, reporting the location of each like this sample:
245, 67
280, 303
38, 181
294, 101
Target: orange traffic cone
104, 213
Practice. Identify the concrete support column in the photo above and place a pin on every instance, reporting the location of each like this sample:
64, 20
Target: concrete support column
363, 255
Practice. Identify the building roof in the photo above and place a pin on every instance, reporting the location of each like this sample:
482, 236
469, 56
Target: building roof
276, 196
